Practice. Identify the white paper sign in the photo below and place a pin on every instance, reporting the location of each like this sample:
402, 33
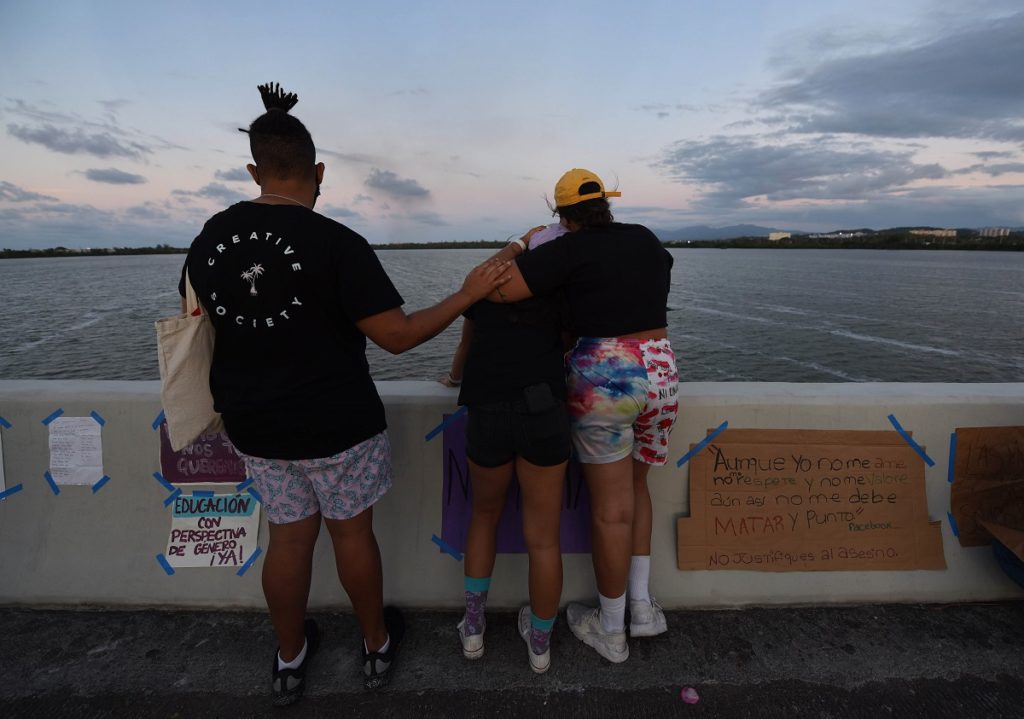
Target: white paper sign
76, 450
216, 531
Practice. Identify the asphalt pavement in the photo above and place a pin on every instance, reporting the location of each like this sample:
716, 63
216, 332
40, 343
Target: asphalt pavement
871, 661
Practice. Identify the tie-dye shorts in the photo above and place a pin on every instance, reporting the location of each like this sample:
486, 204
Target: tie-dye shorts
339, 487
622, 399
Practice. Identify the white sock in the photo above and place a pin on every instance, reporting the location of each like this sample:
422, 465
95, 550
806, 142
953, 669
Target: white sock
384, 647
294, 663
613, 613
639, 578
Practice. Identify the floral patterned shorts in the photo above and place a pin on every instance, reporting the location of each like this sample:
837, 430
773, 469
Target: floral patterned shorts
622, 399
339, 487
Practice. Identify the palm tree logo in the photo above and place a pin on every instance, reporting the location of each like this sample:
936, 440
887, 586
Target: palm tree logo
250, 276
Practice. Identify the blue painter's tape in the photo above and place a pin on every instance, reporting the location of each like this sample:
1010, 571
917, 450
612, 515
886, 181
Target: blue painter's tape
53, 416
173, 496
242, 486
702, 444
248, 563
202, 493
256, 495
159, 419
12, 490
446, 548
96, 416
165, 564
952, 524
910, 440
952, 456
440, 428
4, 423
160, 478
53, 485
99, 485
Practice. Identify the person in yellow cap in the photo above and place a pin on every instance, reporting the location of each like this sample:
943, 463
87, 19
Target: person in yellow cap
621, 386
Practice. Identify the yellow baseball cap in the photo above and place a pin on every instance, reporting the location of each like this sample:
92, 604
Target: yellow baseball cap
577, 186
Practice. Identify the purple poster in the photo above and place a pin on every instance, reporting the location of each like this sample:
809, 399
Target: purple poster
456, 502
211, 458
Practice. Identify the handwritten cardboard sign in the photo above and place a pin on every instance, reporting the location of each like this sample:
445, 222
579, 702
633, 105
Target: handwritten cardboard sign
221, 530
808, 500
987, 497
210, 459
457, 503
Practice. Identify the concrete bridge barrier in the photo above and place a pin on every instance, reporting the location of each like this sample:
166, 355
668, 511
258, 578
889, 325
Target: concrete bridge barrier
98, 548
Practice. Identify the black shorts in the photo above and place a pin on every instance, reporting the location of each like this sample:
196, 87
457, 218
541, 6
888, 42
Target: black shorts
498, 432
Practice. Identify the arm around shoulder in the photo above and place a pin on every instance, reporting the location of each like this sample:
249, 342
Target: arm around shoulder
514, 290
396, 332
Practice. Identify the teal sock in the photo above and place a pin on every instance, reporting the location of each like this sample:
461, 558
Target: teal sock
476, 584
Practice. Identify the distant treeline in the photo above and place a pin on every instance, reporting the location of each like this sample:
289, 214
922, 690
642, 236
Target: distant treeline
7, 253
877, 241
475, 245
884, 240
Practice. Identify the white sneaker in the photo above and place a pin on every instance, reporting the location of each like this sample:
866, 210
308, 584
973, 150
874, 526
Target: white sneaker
539, 663
472, 644
585, 623
646, 618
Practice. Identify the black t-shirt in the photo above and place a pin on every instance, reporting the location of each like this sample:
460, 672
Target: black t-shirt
616, 278
513, 346
284, 287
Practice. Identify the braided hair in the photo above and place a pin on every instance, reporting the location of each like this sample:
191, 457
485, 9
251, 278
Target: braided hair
281, 145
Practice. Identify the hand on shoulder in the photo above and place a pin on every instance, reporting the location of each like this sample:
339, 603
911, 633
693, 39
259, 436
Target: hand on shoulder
485, 278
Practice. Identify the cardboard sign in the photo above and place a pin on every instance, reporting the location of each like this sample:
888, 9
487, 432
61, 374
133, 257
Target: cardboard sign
219, 530
210, 459
808, 500
457, 503
987, 497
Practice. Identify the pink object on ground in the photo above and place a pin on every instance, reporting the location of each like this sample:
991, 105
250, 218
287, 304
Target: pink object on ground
689, 695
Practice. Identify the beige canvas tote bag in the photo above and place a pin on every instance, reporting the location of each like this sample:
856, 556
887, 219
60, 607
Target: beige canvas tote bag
185, 352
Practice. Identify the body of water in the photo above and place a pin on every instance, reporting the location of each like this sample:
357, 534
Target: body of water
734, 315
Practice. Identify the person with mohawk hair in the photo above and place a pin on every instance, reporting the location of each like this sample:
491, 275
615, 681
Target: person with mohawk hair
293, 295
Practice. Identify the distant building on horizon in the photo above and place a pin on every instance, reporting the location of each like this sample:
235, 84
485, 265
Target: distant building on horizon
994, 232
776, 236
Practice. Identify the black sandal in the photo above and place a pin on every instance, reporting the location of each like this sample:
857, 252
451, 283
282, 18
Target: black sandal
377, 666
288, 684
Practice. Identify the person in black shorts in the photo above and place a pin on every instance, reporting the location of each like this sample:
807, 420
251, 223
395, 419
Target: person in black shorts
512, 381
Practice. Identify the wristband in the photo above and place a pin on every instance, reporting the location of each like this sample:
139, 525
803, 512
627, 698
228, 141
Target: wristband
452, 381
519, 241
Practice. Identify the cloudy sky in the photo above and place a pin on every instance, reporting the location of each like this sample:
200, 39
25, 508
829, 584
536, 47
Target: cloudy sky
451, 120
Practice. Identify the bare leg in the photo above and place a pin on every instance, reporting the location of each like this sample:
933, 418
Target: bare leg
287, 569
611, 497
542, 506
490, 486
642, 512
357, 557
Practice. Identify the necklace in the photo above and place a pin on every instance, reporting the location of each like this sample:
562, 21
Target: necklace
282, 197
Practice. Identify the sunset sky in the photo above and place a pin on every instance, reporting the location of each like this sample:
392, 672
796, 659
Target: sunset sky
451, 120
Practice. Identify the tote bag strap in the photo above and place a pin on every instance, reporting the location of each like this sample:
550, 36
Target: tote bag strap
191, 301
